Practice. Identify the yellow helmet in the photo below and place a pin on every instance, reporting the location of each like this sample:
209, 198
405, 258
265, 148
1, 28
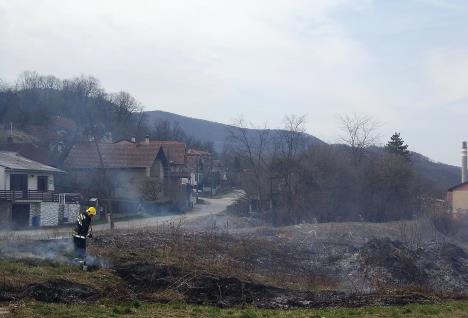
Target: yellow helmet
91, 211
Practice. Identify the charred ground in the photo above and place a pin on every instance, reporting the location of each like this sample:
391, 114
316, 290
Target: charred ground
267, 268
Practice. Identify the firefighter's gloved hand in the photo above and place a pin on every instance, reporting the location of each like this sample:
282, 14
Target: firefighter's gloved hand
90, 235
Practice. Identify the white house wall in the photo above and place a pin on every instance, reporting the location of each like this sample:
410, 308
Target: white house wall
32, 182
51, 182
7, 180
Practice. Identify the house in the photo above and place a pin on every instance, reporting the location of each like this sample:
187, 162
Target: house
457, 196
149, 170
207, 174
28, 150
198, 163
28, 196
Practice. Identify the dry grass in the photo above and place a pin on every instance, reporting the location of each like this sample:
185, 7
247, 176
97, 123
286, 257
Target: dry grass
248, 258
16, 274
179, 310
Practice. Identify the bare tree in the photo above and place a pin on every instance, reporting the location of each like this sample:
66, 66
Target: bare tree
250, 144
289, 147
359, 132
292, 136
126, 105
28, 80
140, 123
167, 130
151, 190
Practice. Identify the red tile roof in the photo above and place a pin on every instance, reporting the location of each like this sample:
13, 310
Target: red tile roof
174, 150
124, 154
113, 156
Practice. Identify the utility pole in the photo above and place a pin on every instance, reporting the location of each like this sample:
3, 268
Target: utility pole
10, 137
104, 176
106, 185
197, 179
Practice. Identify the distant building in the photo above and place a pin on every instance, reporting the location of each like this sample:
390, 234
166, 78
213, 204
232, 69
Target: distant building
457, 196
199, 164
207, 174
28, 196
137, 171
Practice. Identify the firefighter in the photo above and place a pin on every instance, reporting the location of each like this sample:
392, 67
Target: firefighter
81, 231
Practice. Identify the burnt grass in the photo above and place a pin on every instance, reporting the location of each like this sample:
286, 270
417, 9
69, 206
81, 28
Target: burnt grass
61, 291
272, 272
262, 271
207, 289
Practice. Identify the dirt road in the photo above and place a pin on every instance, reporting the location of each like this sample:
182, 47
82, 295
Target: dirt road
210, 208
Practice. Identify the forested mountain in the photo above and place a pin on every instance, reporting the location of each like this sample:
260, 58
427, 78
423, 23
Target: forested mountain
216, 133
443, 175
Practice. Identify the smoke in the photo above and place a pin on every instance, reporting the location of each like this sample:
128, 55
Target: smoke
55, 250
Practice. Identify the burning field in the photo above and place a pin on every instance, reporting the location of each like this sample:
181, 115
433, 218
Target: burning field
267, 269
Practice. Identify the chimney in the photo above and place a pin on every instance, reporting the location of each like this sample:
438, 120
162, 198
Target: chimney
133, 139
147, 139
464, 162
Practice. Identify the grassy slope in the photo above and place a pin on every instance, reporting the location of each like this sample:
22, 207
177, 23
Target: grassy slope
18, 274
176, 310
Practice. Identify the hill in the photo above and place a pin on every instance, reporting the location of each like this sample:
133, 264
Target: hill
203, 130
442, 175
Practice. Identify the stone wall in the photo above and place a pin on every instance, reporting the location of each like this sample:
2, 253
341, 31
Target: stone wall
70, 213
50, 213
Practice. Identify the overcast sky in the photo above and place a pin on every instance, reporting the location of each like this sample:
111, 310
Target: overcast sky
404, 62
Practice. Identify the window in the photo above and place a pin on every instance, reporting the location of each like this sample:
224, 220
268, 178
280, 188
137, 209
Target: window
19, 182
43, 183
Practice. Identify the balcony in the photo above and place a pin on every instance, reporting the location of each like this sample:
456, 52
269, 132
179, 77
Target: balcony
33, 195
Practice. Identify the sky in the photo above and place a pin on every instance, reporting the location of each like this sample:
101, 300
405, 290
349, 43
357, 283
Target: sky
402, 62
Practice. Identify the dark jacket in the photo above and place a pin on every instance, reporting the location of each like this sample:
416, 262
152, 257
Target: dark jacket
82, 225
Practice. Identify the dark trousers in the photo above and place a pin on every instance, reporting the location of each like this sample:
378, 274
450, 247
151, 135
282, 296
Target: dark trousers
80, 247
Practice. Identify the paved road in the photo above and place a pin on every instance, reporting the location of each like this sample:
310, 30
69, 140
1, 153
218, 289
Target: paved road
210, 208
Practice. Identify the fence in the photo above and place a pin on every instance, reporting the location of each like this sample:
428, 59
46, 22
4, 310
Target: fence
33, 195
